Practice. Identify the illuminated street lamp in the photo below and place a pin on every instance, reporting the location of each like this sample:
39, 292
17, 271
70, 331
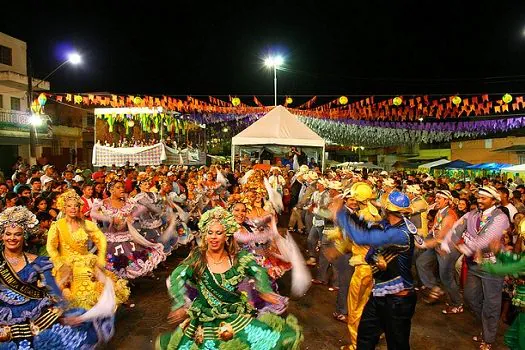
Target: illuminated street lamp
73, 58
274, 62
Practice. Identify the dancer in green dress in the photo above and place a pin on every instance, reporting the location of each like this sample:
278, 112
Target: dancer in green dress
513, 264
220, 317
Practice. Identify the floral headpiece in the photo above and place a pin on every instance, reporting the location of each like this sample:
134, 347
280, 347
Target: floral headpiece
19, 217
239, 198
218, 214
69, 195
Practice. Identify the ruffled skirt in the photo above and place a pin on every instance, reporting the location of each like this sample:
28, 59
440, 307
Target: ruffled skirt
235, 333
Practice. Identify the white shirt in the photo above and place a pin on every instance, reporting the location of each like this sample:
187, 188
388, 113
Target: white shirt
512, 211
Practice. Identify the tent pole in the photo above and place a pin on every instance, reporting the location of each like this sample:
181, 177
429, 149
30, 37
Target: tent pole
232, 161
322, 160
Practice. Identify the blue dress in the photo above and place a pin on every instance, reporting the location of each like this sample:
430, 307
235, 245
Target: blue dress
16, 309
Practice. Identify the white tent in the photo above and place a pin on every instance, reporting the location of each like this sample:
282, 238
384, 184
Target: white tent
433, 164
514, 168
278, 127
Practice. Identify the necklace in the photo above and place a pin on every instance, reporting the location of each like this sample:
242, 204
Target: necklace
216, 262
13, 260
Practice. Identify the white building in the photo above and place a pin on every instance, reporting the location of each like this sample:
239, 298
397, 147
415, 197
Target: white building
14, 111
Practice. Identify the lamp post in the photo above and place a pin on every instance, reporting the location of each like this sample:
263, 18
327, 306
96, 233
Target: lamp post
274, 62
35, 120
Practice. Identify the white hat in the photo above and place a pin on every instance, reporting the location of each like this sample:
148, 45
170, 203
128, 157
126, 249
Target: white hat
46, 180
384, 172
170, 173
275, 168
78, 178
489, 191
47, 166
389, 182
304, 168
313, 175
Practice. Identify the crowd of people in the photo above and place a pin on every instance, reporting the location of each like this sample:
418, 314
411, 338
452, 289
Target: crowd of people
74, 239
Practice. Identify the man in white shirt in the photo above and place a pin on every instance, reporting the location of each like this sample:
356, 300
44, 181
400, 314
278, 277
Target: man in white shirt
505, 202
49, 170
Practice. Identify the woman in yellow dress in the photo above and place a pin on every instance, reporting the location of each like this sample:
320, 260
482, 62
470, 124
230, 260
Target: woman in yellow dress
75, 267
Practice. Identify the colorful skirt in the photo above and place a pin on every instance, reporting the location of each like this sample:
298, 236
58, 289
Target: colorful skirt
130, 260
237, 332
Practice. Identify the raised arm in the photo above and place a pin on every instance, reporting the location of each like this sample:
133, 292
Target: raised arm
372, 237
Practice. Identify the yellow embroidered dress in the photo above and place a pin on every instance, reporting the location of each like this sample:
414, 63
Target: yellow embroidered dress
74, 266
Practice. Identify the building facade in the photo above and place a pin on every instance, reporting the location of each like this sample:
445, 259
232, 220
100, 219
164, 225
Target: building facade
14, 112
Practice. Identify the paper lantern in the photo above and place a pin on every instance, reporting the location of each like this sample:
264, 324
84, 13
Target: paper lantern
137, 100
236, 101
131, 123
398, 100
456, 100
289, 100
42, 99
507, 98
155, 130
35, 107
343, 100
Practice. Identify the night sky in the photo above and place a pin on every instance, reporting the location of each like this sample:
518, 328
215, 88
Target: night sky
330, 48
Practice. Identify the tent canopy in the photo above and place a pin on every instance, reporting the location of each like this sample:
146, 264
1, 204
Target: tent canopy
489, 166
278, 127
433, 164
456, 164
520, 167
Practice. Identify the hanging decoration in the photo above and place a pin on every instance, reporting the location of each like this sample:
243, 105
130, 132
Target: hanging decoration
397, 101
507, 98
137, 101
289, 100
456, 100
343, 100
380, 134
42, 99
236, 101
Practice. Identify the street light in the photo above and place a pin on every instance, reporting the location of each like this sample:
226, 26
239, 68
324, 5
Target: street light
73, 58
274, 62
35, 120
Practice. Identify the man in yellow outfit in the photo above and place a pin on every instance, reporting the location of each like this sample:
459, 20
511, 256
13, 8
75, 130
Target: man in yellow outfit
362, 280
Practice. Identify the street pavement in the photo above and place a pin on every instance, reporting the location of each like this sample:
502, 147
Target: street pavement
138, 327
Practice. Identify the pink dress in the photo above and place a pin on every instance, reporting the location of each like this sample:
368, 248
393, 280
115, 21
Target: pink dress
129, 254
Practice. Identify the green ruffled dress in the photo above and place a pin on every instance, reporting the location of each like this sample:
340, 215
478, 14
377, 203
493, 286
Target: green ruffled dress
220, 317
514, 265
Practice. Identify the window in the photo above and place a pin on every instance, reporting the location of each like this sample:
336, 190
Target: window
15, 103
6, 55
488, 143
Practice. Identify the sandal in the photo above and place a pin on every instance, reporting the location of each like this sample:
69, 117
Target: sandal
453, 310
340, 317
316, 281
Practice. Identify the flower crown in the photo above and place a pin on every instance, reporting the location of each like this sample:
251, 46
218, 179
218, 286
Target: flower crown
19, 217
67, 196
218, 214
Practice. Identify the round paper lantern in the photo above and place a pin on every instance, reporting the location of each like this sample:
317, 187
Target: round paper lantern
131, 123
456, 100
236, 101
289, 100
507, 98
398, 100
343, 100
137, 100
42, 99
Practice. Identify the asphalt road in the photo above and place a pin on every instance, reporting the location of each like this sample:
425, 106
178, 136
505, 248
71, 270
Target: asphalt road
138, 327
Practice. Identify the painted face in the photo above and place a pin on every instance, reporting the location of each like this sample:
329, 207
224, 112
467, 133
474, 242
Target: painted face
216, 237
239, 213
13, 237
72, 209
485, 202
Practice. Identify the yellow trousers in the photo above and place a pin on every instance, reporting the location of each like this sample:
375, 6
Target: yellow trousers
358, 293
